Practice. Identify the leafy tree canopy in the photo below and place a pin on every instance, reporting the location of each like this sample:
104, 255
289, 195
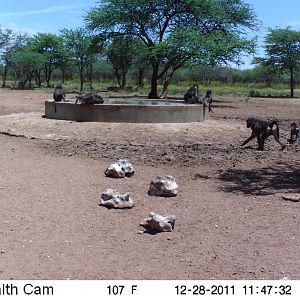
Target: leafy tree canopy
282, 47
176, 32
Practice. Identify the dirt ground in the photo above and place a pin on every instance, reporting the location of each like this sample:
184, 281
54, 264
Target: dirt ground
232, 222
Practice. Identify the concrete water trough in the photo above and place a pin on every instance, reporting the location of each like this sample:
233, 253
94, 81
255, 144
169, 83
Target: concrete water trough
128, 110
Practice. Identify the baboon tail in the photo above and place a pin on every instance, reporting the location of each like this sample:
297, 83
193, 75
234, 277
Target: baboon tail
275, 123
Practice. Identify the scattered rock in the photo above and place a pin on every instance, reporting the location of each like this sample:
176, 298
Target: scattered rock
115, 171
127, 167
122, 168
292, 197
158, 223
164, 186
113, 199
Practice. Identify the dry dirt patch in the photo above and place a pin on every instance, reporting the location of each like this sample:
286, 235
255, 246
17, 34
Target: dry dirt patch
232, 222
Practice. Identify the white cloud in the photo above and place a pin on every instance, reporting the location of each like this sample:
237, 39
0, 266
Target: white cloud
58, 8
17, 28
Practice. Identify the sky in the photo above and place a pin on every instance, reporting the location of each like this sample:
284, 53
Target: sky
33, 16
48, 16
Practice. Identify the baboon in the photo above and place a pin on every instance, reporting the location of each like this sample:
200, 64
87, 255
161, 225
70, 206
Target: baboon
58, 94
261, 130
207, 100
191, 96
90, 98
294, 133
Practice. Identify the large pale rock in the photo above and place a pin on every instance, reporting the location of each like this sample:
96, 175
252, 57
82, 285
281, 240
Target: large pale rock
159, 223
115, 171
122, 168
113, 199
164, 186
127, 167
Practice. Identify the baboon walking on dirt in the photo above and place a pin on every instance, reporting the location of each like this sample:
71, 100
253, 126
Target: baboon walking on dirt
261, 130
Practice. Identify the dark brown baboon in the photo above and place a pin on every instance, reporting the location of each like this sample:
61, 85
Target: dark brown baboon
294, 133
191, 96
90, 98
207, 100
261, 130
58, 94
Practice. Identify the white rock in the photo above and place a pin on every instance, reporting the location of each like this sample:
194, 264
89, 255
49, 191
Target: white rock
122, 168
165, 186
127, 167
115, 171
113, 199
159, 223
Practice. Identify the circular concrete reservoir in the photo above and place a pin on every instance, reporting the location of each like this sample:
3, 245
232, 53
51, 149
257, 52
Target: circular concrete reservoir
127, 110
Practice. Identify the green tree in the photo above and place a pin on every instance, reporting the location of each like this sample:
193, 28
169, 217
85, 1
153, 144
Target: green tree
177, 32
17, 41
282, 47
5, 35
51, 46
25, 63
80, 46
121, 53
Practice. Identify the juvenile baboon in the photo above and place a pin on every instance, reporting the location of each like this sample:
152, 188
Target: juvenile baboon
90, 98
294, 133
207, 100
58, 94
261, 130
191, 96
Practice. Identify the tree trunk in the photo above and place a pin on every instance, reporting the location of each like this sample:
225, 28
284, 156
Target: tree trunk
118, 76
141, 78
81, 75
47, 75
38, 78
63, 75
4, 76
292, 82
153, 93
123, 79
164, 93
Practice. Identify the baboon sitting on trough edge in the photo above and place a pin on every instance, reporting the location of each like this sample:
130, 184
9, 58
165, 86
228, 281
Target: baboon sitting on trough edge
58, 94
191, 95
90, 98
261, 130
294, 133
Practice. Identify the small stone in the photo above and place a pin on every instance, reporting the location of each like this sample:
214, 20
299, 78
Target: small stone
159, 223
115, 171
164, 186
122, 168
113, 199
127, 167
70, 154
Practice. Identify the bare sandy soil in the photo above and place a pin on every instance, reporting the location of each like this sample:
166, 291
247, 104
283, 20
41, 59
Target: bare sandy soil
232, 222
